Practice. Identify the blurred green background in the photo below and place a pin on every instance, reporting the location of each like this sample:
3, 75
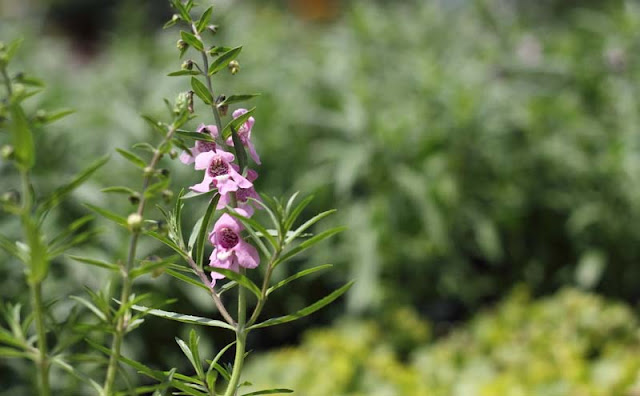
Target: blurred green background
484, 154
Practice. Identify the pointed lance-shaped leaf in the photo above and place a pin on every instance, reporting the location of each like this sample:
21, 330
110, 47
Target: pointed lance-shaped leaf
203, 231
305, 311
223, 60
204, 20
297, 276
237, 99
236, 122
134, 159
192, 40
201, 90
241, 279
308, 243
197, 320
22, 137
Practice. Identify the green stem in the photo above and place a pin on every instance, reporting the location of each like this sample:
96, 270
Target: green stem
205, 67
241, 338
42, 361
121, 325
7, 81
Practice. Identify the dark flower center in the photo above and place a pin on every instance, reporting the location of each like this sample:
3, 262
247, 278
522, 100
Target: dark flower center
243, 194
203, 146
228, 238
218, 167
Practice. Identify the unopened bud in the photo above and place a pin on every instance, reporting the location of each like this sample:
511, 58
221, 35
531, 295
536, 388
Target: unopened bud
167, 195
165, 172
181, 44
41, 115
18, 89
7, 152
134, 198
234, 66
11, 197
175, 18
173, 154
213, 29
148, 171
134, 221
190, 102
187, 65
182, 102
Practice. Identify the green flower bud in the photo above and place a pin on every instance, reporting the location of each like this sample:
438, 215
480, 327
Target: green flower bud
181, 44
167, 195
213, 29
134, 198
187, 65
234, 67
7, 152
134, 221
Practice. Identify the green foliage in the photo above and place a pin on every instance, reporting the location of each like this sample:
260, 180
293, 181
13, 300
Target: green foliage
572, 343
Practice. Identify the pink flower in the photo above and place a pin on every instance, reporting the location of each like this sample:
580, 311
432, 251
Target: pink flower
242, 196
244, 132
201, 146
219, 173
230, 250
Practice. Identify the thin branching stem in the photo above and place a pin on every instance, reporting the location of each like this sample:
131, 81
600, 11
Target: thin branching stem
121, 325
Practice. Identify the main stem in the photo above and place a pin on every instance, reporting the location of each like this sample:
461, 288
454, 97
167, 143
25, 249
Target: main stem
121, 325
42, 361
241, 338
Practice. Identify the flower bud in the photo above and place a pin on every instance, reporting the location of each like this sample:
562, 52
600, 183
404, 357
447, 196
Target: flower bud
175, 18
134, 221
187, 65
222, 108
213, 29
234, 67
165, 172
11, 197
41, 115
18, 89
173, 154
7, 152
134, 198
182, 102
167, 195
182, 45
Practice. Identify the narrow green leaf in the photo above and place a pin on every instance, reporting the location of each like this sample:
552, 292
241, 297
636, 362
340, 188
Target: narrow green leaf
195, 136
204, 226
192, 40
297, 276
131, 157
308, 243
81, 376
12, 48
236, 123
213, 362
187, 279
167, 242
38, 257
269, 392
94, 262
197, 320
293, 215
91, 307
73, 227
108, 215
30, 80
241, 279
305, 311
155, 374
249, 222
11, 248
194, 342
144, 146
22, 137
56, 197
201, 90
14, 353
156, 125
308, 224
241, 154
118, 190
223, 60
194, 194
8, 339
275, 219
150, 266
55, 116
78, 239
184, 73
237, 99
189, 354
204, 20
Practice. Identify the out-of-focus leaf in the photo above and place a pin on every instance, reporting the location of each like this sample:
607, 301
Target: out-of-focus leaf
131, 157
108, 215
309, 243
21, 137
94, 262
297, 276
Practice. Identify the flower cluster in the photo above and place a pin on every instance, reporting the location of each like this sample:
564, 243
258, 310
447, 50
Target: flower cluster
222, 174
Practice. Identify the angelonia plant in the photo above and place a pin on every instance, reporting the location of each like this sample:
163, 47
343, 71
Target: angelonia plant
230, 253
